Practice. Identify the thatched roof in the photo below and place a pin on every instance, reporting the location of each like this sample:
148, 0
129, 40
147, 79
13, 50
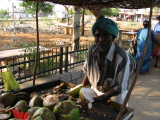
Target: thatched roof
93, 4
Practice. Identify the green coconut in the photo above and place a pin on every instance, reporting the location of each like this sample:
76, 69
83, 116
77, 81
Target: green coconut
50, 101
43, 113
75, 91
66, 110
14, 119
21, 106
87, 94
36, 101
7, 98
31, 111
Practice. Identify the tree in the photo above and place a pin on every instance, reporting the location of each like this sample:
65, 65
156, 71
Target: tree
83, 12
67, 15
30, 7
3, 13
109, 11
156, 9
76, 28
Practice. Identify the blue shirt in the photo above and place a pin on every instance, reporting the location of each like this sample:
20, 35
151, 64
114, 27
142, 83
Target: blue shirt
157, 28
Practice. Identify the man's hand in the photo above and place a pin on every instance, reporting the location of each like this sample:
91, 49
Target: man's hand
100, 98
106, 96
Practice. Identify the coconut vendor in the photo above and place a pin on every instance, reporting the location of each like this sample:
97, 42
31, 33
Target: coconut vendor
107, 64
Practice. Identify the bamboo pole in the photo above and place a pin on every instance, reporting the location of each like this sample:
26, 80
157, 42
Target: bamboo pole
37, 51
138, 69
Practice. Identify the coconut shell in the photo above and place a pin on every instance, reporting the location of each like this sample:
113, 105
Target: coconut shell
31, 111
7, 98
21, 106
36, 101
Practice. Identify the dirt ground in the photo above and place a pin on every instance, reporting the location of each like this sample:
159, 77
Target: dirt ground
46, 39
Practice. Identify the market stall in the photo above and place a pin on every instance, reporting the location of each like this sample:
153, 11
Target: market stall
97, 5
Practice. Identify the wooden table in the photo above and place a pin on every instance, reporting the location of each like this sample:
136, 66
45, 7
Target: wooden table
125, 32
68, 29
132, 34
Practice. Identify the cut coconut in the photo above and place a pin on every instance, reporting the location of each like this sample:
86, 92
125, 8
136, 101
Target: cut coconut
87, 94
50, 101
43, 113
66, 110
75, 91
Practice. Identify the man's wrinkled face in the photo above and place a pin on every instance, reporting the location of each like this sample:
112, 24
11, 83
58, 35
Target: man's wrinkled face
103, 39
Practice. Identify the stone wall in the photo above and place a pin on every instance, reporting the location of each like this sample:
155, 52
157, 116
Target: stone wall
74, 76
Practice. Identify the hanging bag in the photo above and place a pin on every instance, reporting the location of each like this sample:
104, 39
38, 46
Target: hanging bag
10, 82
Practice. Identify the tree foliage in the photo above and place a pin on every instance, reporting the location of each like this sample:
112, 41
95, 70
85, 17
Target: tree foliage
3, 13
156, 9
109, 11
87, 12
30, 7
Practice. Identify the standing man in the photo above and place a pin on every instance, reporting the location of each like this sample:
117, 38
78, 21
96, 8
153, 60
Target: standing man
155, 45
107, 64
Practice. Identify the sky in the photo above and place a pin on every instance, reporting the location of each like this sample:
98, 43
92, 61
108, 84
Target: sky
5, 4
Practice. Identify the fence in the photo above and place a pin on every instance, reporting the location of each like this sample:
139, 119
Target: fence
51, 61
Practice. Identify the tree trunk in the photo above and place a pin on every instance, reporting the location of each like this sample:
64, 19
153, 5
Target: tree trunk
82, 29
76, 27
96, 13
67, 15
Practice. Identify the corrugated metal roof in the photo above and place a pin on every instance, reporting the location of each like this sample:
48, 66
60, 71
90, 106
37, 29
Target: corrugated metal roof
93, 4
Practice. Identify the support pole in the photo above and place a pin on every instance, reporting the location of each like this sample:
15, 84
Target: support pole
37, 51
138, 69
14, 39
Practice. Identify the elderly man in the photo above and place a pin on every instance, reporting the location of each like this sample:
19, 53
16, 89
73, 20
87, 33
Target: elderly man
107, 64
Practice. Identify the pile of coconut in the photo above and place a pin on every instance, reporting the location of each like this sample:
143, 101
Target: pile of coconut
48, 107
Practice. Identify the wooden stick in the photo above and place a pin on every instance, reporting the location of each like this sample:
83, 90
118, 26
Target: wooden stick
138, 69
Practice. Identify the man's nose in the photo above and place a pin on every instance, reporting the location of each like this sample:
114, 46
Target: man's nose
100, 39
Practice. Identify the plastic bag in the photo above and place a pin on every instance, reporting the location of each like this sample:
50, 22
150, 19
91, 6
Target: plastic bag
10, 82
157, 51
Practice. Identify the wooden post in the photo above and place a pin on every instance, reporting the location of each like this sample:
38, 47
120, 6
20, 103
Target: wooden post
61, 61
14, 39
138, 69
66, 59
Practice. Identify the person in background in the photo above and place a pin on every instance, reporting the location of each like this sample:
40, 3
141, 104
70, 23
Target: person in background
155, 45
141, 41
107, 65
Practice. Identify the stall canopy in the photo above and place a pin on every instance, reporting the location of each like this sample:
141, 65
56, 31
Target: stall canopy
90, 4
